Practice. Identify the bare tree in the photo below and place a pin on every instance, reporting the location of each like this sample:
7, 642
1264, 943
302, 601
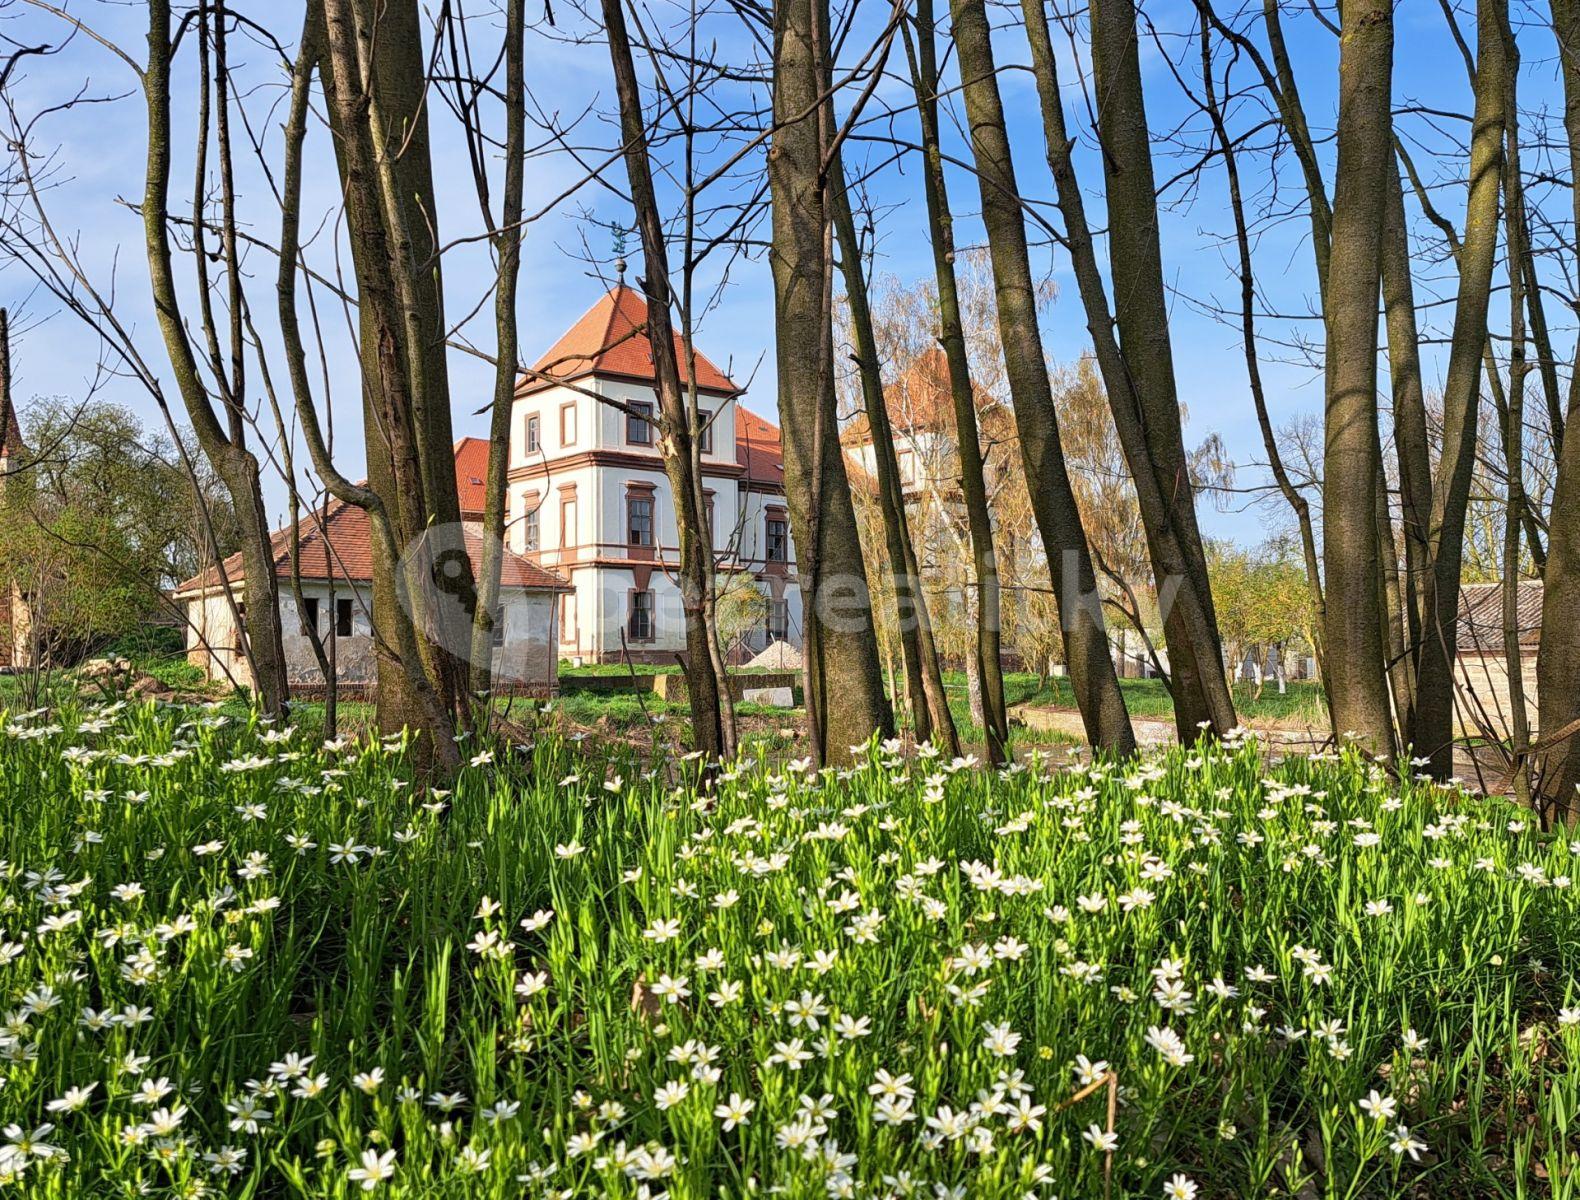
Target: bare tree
1087, 653
224, 444
1352, 470
707, 684
846, 703
1137, 365
989, 673
923, 677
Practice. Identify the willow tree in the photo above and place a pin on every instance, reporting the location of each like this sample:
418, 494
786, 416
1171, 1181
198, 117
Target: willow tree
846, 703
1087, 652
1134, 353
1352, 468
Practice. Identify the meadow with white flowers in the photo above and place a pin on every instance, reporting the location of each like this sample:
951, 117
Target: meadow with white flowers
235, 962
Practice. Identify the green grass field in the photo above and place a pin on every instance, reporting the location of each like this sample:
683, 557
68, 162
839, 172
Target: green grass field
236, 963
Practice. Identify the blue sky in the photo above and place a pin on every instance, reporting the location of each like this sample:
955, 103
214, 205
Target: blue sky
99, 150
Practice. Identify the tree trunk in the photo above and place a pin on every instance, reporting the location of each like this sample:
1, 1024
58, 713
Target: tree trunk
1513, 428
923, 677
706, 688
846, 703
1253, 366
1461, 396
1558, 664
991, 713
382, 143
258, 623
1411, 445
1087, 652
1352, 472
507, 263
1138, 365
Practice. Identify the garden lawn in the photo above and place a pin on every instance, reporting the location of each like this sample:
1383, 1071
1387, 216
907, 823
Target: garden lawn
236, 963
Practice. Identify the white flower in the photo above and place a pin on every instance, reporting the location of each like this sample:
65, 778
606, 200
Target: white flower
671, 1094
662, 931
375, 1169
1000, 1040
1179, 1187
1379, 1107
1569, 1016
1169, 1046
73, 1099
1106, 1142
734, 1111
1401, 1142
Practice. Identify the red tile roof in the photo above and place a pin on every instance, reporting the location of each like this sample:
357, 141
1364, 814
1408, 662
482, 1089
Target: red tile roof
349, 556
919, 401
759, 448
611, 339
471, 475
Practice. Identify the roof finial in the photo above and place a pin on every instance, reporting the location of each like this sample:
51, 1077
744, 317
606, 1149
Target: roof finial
617, 233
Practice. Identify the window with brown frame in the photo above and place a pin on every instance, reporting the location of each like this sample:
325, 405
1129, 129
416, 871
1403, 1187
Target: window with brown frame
640, 625
639, 429
778, 539
639, 518
568, 424
778, 620
534, 433
533, 536
704, 431
568, 532
567, 618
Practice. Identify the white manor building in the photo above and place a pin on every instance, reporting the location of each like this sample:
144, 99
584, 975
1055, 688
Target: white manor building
588, 498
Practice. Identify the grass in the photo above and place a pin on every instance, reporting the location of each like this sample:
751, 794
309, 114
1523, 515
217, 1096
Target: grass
236, 963
1301, 705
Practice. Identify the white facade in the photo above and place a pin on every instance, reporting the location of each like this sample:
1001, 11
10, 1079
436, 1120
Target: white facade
524, 657
588, 499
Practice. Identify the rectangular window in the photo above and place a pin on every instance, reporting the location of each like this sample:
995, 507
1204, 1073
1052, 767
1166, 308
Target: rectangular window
778, 619
639, 519
639, 624
534, 434
343, 617
567, 618
639, 429
499, 627
704, 431
567, 521
311, 603
568, 424
533, 531
778, 540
